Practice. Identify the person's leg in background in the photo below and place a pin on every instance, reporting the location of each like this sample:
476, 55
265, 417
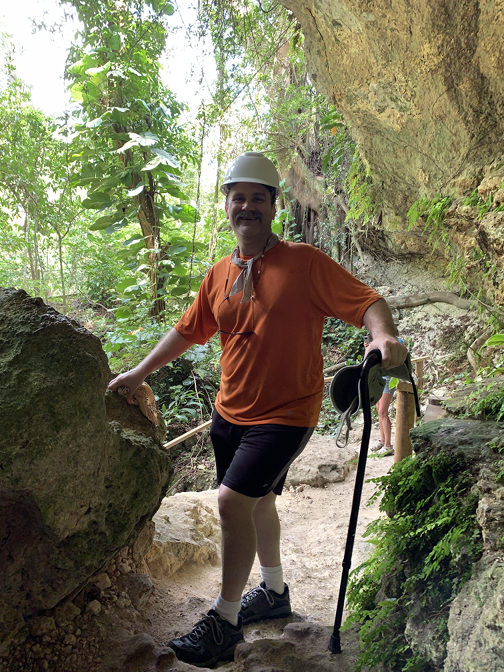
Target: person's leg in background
384, 421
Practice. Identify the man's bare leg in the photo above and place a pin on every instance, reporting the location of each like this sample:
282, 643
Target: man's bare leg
267, 525
239, 541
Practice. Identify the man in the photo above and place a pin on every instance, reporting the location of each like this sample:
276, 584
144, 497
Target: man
268, 301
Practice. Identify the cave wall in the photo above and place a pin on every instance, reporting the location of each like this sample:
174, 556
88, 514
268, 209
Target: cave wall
420, 83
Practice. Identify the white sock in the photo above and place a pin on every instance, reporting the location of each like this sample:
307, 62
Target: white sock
228, 610
273, 578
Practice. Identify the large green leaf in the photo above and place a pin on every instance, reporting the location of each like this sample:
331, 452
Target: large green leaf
127, 282
137, 190
89, 204
131, 252
85, 92
153, 163
180, 270
94, 123
101, 223
184, 213
138, 140
114, 42
177, 249
98, 70
495, 340
117, 226
99, 197
178, 291
165, 157
123, 312
177, 193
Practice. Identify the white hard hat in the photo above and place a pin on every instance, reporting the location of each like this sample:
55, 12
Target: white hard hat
252, 167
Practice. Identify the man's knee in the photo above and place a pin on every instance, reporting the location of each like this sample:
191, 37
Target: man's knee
234, 506
266, 505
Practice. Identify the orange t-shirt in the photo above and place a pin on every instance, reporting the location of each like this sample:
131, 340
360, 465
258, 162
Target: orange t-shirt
275, 374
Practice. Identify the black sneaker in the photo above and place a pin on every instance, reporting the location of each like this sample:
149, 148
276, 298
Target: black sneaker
212, 639
261, 603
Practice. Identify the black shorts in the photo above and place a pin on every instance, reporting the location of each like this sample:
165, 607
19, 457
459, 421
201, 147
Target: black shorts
254, 459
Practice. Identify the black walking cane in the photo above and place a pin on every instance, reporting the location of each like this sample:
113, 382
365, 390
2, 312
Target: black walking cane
373, 358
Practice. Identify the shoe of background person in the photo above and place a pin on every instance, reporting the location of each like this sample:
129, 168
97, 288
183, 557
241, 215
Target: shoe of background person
260, 603
385, 450
376, 446
212, 639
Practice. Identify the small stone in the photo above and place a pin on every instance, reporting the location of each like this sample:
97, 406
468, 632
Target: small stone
102, 581
94, 607
499, 197
70, 639
41, 625
124, 567
66, 613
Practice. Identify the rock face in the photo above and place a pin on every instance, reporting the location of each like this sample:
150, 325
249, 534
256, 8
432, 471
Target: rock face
74, 487
186, 531
420, 84
476, 615
476, 623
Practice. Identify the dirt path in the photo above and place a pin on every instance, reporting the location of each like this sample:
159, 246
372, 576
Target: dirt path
314, 528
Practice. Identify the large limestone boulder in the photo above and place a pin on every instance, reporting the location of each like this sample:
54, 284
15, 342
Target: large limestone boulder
420, 84
321, 462
187, 530
74, 487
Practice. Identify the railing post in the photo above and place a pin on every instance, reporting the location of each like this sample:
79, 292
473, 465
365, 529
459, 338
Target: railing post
405, 420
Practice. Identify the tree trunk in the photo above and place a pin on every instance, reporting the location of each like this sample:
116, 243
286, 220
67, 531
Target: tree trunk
28, 245
151, 231
213, 237
62, 274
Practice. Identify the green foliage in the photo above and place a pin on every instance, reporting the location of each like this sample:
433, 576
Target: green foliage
39, 212
128, 146
348, 339
185, 389
336, 154
425, 549
432, 212
363, 197
349, 343
475, 200
491, 407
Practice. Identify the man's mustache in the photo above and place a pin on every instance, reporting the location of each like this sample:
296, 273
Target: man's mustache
248, 215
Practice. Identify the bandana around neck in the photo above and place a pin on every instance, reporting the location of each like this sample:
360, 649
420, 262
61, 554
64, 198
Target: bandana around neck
244, 281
